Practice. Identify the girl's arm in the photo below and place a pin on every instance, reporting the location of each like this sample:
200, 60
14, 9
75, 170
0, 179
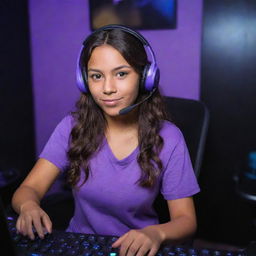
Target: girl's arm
148, 240
26, 199
183, 220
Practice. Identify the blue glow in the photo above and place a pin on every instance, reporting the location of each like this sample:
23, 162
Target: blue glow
113, 254
165, 7
141, 3
117, 1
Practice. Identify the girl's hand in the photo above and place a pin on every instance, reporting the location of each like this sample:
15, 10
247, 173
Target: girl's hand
139, 242
32, 217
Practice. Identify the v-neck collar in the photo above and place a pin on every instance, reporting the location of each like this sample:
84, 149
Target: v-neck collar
123, 161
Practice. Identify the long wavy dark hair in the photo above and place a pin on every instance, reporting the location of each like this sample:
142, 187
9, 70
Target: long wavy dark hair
90, 124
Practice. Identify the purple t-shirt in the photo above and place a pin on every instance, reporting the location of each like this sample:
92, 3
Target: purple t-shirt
111, 202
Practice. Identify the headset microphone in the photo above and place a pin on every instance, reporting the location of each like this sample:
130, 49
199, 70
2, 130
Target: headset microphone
130, 108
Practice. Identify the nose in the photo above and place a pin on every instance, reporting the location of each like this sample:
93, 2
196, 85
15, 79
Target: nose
109, 86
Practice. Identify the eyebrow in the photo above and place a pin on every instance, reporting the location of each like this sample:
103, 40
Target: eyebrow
115, 69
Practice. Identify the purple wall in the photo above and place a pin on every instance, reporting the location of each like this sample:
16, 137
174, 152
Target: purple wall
57, 31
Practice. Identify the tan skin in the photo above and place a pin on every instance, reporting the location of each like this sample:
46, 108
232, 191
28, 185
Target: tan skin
113, 84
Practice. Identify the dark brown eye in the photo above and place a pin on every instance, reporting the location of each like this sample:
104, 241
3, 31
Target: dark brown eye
122, 74
96, 76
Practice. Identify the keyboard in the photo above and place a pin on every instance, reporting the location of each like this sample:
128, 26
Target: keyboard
77, 244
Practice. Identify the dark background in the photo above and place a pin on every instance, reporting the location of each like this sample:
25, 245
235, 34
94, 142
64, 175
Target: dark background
17, 142
228, 88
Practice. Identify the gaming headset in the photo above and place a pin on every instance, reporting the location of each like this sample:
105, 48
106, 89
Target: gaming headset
150, 76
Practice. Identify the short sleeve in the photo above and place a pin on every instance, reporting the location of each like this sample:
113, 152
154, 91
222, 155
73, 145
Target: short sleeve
179, 180
56, 147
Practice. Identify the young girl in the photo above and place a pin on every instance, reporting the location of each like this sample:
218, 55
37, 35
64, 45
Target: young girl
117, 162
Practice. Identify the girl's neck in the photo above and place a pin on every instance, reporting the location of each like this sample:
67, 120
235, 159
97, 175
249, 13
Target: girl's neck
123, 123
122, 135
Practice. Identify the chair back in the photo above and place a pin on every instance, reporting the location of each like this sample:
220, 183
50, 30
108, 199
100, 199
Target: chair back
192, 118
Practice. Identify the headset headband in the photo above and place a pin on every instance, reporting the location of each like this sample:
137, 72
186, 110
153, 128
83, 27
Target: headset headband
151, 74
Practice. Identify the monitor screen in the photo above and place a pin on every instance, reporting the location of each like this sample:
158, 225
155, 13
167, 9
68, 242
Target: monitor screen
137, 14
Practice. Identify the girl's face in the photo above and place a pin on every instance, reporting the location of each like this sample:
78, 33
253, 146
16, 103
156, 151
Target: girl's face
113, 83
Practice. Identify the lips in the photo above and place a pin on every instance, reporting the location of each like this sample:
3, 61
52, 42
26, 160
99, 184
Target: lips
111, 102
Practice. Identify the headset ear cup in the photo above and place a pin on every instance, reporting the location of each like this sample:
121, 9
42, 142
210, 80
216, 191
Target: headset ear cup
85, 81
152, 77
157, 77
81, 78
144, 76
80, 82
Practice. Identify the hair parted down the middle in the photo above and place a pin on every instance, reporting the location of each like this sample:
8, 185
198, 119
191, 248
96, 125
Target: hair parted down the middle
90, 124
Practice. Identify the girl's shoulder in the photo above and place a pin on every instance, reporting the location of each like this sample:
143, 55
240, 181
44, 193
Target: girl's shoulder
173, 139
66, 124
172, 136
170, 131
67, 120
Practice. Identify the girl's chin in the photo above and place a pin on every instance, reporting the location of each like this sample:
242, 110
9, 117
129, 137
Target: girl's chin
112, 113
